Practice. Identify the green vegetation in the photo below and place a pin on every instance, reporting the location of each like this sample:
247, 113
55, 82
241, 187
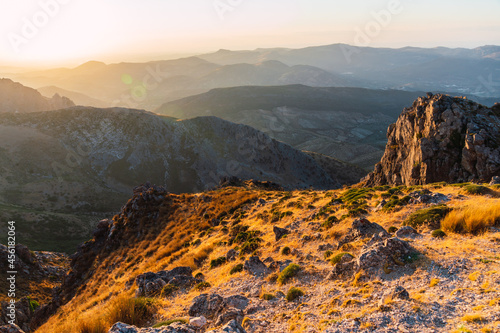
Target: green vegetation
438, 233
168, 290
286, 251
474, 189
294, 293
432, 215
267, 296
237, 268
217, 262
338, 257
202, 286
392, 229
289, 272
330, 222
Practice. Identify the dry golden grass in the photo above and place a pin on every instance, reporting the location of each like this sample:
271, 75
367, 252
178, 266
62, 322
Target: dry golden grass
475, 217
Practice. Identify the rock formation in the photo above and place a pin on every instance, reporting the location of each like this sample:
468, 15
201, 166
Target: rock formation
441, 138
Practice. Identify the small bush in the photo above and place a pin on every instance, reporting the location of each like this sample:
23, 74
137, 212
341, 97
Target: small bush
199, 276
337, 257
293, 293
133, 311
392, 229
92, 326
202, 285
438, 233
432, 216
473, 318
171, 321
286, 251
249, 247
168, 290
289, 272
267, 296
237, 268
217, 262
474, 218
474, 189
327, 254
330, 222
434, 282
33, 304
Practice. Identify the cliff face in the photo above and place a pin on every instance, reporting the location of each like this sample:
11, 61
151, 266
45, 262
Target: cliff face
441, 138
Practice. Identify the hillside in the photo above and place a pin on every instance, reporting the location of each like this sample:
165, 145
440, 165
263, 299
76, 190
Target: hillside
14, 97
62, 170
345, 123
358, 268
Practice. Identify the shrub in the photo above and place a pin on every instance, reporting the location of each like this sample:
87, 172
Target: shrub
217, 262
432, 215
237, 268
202, 285
95, 325
267, 297
199, 276
330, 222
392, 229
286, 251
289, 272
133, 311
474, 189
327, 254
474, 218
168, 290
249, 247
473, 318
293, 293
438, 233
171, 321
337, 257
33, 304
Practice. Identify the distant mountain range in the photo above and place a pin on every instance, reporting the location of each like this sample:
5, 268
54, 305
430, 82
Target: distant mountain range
349, 124
148, 85
14, 97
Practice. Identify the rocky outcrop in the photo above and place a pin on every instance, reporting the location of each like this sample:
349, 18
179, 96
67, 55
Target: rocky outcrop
151, 284
172, 328
440, 138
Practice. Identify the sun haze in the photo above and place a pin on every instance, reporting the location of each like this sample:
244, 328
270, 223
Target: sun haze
68, 32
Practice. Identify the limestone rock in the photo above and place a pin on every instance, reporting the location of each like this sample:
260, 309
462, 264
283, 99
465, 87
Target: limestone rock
280, 232
207, 305
232, 327
256, 267
406, 232
440, 138
361, 228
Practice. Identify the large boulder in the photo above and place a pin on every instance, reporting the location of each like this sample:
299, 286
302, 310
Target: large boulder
232, 327
360, 229
440, 138
256, 267
207, 305
150, 284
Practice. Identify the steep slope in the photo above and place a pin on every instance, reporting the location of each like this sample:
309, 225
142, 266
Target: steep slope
14, 97
441, 138
224, 255
84, 161
344, 123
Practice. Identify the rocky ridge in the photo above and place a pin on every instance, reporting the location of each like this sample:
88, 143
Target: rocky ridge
441, 138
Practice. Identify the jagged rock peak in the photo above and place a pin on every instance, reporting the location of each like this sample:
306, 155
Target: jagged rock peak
440, 138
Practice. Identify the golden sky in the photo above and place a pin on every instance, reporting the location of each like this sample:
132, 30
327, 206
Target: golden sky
69, 32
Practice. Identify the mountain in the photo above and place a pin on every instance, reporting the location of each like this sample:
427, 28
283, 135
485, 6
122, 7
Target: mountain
64, 169
467, 71
14, 97
345, 123
441, 138
148, 85
77, 98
